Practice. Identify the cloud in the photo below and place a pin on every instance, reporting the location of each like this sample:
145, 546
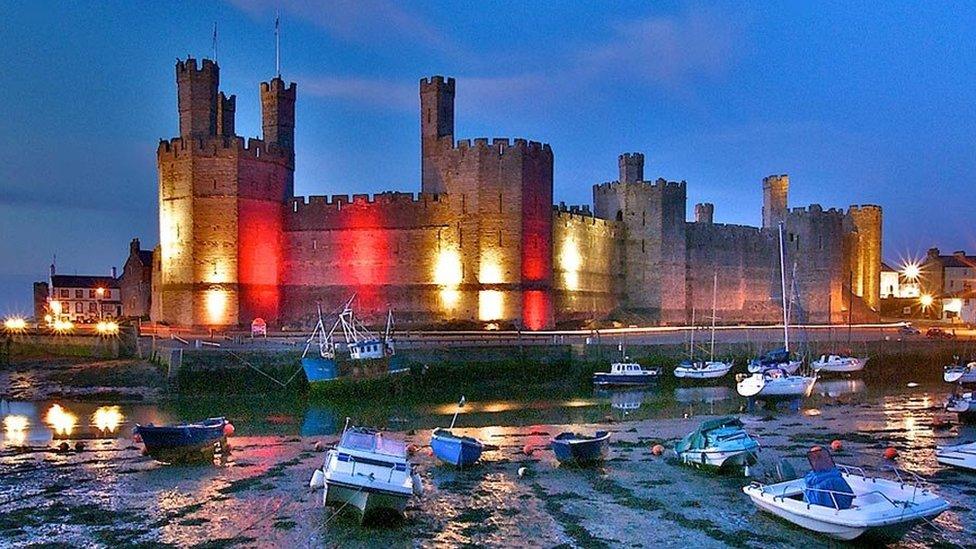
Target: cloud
370, 92
671, 51
358, 21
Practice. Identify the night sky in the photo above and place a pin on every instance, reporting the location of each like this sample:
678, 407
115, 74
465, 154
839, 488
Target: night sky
866, 104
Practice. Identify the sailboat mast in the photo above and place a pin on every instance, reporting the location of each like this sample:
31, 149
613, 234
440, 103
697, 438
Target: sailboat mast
691, 345
782, 280
711, 351
850, 310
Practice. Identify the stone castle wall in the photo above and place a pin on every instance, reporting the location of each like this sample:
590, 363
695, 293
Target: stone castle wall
587, 276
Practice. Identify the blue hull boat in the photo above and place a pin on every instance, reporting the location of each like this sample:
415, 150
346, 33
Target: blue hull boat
456, 450
184, 442
581, 449
320, 369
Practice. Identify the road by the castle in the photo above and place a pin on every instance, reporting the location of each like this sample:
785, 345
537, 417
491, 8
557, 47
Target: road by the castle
108, 494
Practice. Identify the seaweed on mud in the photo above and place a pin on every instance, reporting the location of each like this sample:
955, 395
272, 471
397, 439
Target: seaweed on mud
569, 522
225, 542
258, 481
284, 524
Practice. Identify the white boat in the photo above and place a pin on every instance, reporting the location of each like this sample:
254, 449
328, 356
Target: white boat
961, 404
718, 443
960, 373
838, 363
958, 455
860, 505
773, 384
703, 369
367, 470
626, 373
788, 365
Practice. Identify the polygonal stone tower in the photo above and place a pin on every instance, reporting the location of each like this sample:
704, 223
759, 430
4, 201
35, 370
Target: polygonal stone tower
775, 190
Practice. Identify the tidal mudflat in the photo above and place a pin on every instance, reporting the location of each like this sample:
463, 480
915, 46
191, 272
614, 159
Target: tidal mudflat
108, 494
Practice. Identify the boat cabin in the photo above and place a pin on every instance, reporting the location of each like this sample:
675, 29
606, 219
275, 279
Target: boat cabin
370, 349
626, 368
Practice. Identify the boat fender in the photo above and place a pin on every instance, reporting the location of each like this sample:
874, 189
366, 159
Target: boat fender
890, 453
63, 447
317, 446
528, 450
79, 446
837, 446
418, 484
521, 472
657, 449
318, 480
228, 429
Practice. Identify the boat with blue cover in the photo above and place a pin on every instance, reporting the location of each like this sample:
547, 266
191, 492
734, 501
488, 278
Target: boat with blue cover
456, 450
184, 442
718, 443
579, 449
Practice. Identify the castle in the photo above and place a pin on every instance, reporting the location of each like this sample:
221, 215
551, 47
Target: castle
482, 241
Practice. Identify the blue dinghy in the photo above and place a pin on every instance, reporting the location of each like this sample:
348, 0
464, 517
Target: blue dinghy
184, 442
581, 449
459, 451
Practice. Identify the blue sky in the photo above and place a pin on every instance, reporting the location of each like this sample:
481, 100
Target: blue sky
870, 103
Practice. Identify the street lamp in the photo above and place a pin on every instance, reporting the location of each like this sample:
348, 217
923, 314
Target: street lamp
99, 292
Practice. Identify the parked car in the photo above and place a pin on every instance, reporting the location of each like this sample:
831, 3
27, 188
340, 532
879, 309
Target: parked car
939, 333
908, 329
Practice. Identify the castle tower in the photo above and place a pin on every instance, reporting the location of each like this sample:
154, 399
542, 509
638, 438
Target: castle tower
704, 213
775, 190
866, 254
197, 97
226, 107
278, 113
631, 167
436, 130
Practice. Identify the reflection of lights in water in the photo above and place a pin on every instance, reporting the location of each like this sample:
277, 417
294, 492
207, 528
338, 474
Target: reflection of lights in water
496, 407
577, 403
62, 421
812, 412
107, 418
15, 429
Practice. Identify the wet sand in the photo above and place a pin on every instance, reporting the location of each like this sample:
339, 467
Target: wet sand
108, 494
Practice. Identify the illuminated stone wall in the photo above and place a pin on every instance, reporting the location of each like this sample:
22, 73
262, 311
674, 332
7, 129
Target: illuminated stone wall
866, 253
587, 276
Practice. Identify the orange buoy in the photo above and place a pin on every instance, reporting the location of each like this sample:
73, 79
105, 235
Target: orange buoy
657, 449
836, 445
528, 450
137, 438
411, 449
890, 453
228, 429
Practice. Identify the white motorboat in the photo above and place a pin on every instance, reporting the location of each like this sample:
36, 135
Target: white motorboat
626, 373
960, 373
698, 369
718, 443
854, 504
838, 363
773, 384
957, 455
367, 470
961, 404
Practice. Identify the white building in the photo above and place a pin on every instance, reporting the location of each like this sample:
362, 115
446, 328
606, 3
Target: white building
960, 308
894, 283
81, 298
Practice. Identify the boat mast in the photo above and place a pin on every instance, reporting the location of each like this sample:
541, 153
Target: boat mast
711, 351
691, 345
782, 280
850, 311
458, 411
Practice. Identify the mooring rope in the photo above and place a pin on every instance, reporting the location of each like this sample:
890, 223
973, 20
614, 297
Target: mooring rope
258, 370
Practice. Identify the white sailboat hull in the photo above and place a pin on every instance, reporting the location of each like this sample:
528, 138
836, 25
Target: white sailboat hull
789, 367
959, 455
839, 364
711, 370
960, 374
756, 386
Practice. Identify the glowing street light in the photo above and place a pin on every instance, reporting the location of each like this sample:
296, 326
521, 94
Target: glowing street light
926, 300
15, 324
911, 271
107, 328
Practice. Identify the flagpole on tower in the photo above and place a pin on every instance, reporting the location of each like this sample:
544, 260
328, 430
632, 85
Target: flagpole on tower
277, 43
215, 42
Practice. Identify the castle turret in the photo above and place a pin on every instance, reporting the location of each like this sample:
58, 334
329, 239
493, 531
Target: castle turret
866, 254
197, 97
704, 213
278, 113
436, 129
775, 190
631, 167
226, 106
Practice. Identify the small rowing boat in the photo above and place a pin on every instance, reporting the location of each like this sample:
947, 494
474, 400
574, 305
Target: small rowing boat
457, 450
184, 442
957, 455
578, 449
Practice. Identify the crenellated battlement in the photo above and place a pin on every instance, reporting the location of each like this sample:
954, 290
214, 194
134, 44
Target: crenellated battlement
189, 66
660, 184
815, 210
502, 146
178, 147
278, 85
439, 82
562, 213
865, 209
382, 210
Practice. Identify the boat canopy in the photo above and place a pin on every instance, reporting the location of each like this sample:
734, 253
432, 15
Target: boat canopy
373, 441
698, 438
776, 356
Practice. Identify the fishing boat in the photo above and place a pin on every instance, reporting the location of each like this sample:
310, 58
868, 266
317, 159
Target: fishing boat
184, 442
960, 373
369, 354
459, 451
845, 503
718, 443
703, 369
578, 449
964, 405
839, 363
774, 384
626, 373
369, 471
957, 455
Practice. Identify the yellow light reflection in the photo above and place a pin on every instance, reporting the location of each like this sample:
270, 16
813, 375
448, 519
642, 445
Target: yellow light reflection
491, 270
447, 268
63, 325
56, 307
15, 429
570, 261
450, 298
62, 421
107, 418
490, 304
216, 303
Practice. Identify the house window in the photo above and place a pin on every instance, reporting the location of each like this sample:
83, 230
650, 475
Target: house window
91, 294
79, 294
79, 307
64, 293
92, 306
